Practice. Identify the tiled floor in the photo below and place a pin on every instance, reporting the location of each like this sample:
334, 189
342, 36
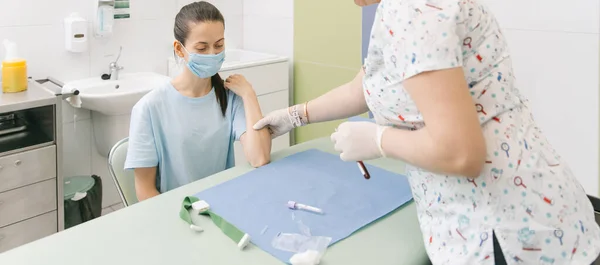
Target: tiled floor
112, 208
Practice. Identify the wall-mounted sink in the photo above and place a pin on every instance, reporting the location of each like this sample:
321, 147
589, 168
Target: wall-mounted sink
111, 102
115, 97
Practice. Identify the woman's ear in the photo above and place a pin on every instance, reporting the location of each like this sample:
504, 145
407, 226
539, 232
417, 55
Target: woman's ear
178, 48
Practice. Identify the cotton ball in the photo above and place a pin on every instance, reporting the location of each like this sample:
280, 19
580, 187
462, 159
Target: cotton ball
309, 257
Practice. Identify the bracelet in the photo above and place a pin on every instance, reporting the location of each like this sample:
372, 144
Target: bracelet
296, 118
380, 130
306, 112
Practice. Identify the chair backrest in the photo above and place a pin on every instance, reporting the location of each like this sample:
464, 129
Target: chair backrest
124, 179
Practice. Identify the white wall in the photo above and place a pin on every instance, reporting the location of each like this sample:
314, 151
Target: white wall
36, 26
269, 26
555, 49
232, 10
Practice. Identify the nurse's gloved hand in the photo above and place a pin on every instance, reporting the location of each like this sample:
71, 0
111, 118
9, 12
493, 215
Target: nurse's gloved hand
282, 121
357, 141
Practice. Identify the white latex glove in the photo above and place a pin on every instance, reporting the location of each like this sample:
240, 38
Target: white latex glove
357, 141
279, 122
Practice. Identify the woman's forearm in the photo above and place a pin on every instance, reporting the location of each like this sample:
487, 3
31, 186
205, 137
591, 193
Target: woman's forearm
257, 143
452, 141
341, 102
144, 194
420, 149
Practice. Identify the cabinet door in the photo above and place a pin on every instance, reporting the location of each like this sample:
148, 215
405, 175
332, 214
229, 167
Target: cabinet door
27, 231
28, 167
268, 103
266, 78
26, 202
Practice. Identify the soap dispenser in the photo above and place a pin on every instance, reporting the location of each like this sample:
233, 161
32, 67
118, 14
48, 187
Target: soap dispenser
105, 18
76, 37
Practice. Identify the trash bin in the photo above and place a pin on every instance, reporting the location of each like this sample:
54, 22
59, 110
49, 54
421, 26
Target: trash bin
82, 199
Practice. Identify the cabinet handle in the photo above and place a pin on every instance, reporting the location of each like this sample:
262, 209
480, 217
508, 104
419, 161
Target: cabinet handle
1, 237
1, 168
18, 163
1, 202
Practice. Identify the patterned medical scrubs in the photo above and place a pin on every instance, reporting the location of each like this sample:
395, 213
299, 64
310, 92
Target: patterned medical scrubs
527, 195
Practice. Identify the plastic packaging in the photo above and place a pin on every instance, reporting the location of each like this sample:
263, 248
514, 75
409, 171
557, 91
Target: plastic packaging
298, 243
14, 70
309, 248
303, 228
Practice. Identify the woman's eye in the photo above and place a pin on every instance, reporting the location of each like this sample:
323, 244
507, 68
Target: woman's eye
219, 46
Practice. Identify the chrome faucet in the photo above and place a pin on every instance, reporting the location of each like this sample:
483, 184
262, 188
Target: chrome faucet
114, 68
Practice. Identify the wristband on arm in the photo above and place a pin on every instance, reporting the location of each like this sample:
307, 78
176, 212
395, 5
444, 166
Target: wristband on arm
296, 118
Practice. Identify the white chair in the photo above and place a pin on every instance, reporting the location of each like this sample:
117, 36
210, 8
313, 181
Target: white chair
124, 179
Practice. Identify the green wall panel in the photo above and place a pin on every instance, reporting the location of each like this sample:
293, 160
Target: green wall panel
316, 79
327, 53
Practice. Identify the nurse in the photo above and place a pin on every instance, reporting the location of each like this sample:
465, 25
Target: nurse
488, 186
184, 129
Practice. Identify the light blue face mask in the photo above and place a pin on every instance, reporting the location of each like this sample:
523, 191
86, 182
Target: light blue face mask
205, 65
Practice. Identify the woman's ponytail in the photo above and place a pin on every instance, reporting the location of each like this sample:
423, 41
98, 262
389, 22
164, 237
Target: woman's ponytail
220, 91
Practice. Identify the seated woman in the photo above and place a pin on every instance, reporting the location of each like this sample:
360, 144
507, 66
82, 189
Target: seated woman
184, 129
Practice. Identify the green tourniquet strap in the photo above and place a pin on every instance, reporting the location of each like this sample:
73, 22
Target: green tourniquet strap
228, 229
186, 205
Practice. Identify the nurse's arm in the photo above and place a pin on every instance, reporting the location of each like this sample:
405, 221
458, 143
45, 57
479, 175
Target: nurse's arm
341, 102
256, 143
145, 183
452, 141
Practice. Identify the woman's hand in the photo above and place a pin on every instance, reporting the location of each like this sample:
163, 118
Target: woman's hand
239, 85
358, 141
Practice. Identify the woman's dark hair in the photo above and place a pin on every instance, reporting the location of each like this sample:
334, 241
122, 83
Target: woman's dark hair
196, 12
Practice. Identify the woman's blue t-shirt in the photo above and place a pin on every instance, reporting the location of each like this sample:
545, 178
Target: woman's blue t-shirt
187, 138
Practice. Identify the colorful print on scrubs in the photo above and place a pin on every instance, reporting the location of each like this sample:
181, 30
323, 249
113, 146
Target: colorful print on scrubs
527, 195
